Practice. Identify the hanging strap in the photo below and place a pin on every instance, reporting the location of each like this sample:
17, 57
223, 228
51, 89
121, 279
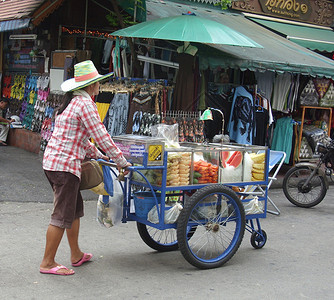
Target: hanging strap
108, 180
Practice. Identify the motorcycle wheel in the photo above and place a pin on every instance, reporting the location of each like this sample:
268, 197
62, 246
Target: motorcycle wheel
307, 196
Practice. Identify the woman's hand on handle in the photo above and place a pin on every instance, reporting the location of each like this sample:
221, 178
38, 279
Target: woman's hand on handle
105, 158
123, 170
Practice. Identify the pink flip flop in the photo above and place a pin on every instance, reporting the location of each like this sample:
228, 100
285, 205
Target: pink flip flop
55, 270
86, 257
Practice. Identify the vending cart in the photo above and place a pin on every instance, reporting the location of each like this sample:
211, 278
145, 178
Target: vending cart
198, 198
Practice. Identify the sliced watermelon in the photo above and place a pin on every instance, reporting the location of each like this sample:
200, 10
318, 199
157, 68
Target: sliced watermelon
231, 157
236, 159
224, 155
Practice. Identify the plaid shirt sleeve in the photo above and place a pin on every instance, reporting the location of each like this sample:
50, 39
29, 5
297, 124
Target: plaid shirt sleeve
92, 151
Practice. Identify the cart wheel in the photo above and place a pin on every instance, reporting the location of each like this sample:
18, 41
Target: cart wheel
219, 218
258, 240
160, 240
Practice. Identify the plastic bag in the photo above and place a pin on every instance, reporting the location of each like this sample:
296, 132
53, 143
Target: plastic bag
253, 206
110, 208
171, 214
169, 132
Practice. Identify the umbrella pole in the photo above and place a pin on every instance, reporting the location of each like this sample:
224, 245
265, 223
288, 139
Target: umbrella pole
84, 40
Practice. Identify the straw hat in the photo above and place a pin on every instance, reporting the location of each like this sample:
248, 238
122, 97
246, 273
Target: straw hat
85, 74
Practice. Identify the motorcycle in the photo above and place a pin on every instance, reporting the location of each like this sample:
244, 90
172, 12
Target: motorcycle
306, 184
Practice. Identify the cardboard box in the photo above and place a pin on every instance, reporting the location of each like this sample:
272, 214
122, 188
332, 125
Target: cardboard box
58, 57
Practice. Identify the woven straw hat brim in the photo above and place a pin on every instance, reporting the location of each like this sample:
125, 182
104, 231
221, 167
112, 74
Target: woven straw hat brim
71, 85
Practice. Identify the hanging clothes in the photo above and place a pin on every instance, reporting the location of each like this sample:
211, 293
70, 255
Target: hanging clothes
242, 119
328, 99
262, 120
322, 86
281, 90
146, 69
184, 93
126, 67
102, 109
116, 59
107, 51
309, 95
293, 95
283, 136
265, 103
265, 82
222, 102
117, 119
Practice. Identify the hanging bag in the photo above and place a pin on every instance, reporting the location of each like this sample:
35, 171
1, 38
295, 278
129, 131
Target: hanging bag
110, 205
91, 175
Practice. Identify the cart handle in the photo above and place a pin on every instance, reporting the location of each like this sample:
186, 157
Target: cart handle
121, 176
112, 164
106, 163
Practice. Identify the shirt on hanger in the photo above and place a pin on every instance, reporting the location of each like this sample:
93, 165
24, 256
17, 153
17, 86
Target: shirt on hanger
242, 118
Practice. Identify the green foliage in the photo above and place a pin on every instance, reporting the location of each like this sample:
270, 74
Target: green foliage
224, 4
112, 19
127, 19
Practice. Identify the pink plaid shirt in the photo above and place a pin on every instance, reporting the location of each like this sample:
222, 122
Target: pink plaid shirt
69, 143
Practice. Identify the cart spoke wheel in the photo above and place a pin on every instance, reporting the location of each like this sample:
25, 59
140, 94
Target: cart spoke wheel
160, 240
219, 218
258, 240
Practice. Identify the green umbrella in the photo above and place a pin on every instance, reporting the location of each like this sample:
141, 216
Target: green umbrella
187, 28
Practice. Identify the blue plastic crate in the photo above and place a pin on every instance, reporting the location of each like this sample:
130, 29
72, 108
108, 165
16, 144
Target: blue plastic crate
144, 201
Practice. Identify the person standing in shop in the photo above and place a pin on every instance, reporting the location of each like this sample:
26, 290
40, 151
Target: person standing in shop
77, 120
4, 123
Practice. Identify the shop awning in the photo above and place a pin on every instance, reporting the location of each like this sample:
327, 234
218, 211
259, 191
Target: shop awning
278, 54
309, 37
14, 24
17, 14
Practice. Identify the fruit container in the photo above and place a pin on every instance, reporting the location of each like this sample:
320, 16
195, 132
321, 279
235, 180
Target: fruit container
242, 163
227, 163
198, 164
179, 162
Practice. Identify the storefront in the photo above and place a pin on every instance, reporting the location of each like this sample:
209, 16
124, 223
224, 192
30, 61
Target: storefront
272, 77
280, 71
33, 53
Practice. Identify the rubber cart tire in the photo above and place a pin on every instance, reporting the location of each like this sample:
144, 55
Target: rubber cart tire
219, 217
258, 240
307, 196
160, 240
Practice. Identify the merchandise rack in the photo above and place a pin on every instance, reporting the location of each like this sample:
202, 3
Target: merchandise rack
206, 234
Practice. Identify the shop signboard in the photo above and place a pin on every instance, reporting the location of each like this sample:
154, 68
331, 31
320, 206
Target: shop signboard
320, 12
295, 9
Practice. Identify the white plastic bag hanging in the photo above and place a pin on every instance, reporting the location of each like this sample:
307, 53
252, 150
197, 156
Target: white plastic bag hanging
110, 208
253, 206
171, 214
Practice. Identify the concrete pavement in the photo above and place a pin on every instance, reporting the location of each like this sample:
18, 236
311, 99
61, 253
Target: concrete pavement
296, 263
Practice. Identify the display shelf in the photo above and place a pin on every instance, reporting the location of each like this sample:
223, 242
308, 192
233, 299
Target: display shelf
302, 123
